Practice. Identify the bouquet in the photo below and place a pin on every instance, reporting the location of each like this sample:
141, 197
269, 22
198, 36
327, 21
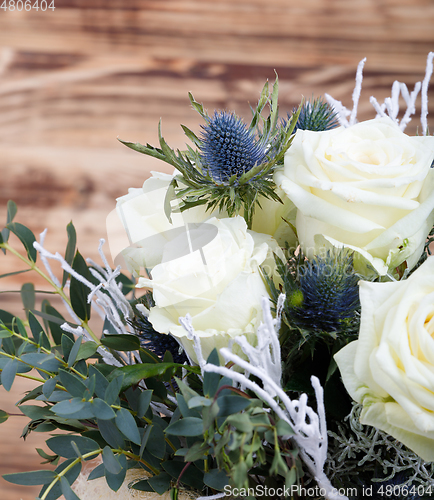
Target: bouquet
268, 323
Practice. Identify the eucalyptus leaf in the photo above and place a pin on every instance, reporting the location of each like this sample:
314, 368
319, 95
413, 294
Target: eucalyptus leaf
78, 291
160, 483
191, 475
230, 404
11, 211
68, 407
49, 386
97, 472
74, 351
156, 444
71, 475
133, 374
3, 416
144, 401
111, 463
6, 318
284, 429
189, 426
67, 491
101, 383
63, 445
211, 380
86, 350
126, 423
102, 410
38, 333
111, 434
216, 479
72, 383
145, 438
41, 360
114, 388
70, 249
26, 237
31, 478
28, 296
121, 342
8, 374
115, 481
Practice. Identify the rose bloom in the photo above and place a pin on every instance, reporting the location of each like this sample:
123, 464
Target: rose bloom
147, 225
219, 284
390, 368
368, 187
149, 229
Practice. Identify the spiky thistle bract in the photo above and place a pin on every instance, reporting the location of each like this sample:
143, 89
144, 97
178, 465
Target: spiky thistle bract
317, 115
322, 301
158, 343
229, 148
330, 291
211, 175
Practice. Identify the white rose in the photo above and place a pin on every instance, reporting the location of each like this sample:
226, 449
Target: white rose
368, 187
390, 368
219, 284
147, 225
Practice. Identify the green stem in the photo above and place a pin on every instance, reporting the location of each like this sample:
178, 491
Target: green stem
58, 290
66, 469
130, 454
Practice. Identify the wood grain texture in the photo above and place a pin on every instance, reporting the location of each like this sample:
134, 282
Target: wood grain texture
73, 80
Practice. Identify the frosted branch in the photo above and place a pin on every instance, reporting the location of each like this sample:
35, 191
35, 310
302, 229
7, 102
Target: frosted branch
107, 294
425, 83
341, 111
390, 106
357, 90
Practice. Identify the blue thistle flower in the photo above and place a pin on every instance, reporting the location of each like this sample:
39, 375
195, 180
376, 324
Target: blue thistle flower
330, 293
229, 147
317, 115
158, 343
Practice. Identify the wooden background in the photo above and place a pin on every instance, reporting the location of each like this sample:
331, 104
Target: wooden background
74, 79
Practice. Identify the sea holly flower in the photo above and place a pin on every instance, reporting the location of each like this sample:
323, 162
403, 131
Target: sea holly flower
231, 168
317, 115
156, 342
229, 148
329, 293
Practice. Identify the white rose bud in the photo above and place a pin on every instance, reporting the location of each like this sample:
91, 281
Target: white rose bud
368, 187
390, 368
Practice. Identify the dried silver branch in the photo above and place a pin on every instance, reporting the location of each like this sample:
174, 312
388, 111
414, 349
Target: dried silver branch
390, 106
